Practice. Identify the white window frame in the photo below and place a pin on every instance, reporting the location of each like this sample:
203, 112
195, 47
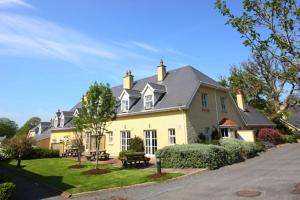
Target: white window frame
204, 98
125, 105
223, 104
110, 137
125, 137
148, 101
150, 142
172, 136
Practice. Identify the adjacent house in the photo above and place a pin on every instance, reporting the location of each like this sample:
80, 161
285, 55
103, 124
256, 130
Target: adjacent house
170, 107
293, 121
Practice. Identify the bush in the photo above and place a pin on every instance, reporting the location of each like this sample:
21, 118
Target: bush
6, 188
42, 153
270, 135
123, 153
3, 155
137, 144
193, 156
238, 150
260, 147
289, 139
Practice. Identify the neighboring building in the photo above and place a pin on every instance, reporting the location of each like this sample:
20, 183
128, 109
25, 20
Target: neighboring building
41, 134
2, 138
293, 121
173, 107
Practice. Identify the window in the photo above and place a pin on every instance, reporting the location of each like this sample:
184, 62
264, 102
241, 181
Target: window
125, 140
150, 142
223, 104
172, 136
204, 101
224, 132
110, 137
148, 101
125, 105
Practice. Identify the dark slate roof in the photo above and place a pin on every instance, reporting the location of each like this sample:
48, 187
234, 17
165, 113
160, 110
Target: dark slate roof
45, 134
253, 117
158, 87
45, 124
294, 119
67, 114
133, 93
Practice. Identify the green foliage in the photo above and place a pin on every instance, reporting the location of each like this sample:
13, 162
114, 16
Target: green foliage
6, 188
238, 150
137, 144
18, 145
193, 156
289, 139
8, 128
122, 154
31, 123
260, 147
37, 153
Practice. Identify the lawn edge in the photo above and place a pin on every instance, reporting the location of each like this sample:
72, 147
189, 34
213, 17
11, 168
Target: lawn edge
200, 171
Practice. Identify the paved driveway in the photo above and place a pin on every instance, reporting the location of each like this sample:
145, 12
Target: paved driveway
274, 174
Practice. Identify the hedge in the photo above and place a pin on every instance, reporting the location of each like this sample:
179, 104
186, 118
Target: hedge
6, 188
193, 156
289, 139
42, 153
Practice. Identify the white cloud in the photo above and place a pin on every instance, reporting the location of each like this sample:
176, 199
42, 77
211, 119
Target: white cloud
146, 47
14, 3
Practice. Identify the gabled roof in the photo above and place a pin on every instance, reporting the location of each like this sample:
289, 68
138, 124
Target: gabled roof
158, 87
294, 119
254, 118
67, 114
132, 93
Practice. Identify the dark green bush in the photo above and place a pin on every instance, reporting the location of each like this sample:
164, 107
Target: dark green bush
193, 156
6, 187
6, 190
123, 153
289, 139
137, 144
260, 147
42, 153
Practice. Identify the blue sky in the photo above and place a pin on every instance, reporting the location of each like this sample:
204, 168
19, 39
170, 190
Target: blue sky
52, 50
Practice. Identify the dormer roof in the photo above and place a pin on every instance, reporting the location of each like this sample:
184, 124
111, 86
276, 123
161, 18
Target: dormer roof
131, 93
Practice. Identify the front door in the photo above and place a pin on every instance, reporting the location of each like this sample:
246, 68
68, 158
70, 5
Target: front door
150, 142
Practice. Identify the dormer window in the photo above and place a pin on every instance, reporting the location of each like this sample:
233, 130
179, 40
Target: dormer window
56, 122
148, 101
124, 105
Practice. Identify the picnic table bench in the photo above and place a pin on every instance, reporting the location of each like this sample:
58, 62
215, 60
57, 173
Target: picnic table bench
134, 158
102, 156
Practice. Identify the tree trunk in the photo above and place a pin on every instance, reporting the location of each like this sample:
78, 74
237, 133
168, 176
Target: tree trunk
97, 152
19, 161
79, 156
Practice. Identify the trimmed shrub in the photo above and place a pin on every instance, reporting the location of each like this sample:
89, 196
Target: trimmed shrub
249, 149
260, 147
123, 153
193, 156
289, 139
42, 153
137, 144
270, 135
6, 188
234, 148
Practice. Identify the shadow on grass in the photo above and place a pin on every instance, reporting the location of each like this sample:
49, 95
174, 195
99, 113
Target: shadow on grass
33, 186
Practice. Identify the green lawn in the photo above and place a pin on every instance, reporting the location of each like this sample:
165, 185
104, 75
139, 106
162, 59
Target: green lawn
55, 172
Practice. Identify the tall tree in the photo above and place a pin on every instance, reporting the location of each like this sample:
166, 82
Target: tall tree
98, 109
271, 28
8, 127
77, 141
29, 124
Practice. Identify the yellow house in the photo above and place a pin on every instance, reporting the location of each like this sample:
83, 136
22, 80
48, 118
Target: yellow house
171, 107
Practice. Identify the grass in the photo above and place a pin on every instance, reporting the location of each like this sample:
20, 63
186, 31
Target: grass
55, 172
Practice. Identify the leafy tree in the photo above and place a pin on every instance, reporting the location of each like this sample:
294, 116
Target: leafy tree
98, 109
31, 123
18, 146
271, 29
8, 127
77, 141
137, 144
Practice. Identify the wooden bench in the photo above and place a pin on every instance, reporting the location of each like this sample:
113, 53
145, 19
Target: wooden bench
135, 158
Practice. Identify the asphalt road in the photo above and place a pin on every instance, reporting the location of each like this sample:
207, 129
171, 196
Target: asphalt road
274, 174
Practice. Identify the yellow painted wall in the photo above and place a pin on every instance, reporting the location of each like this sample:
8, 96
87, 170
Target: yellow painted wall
246, 135
58, 136
137, 124
198, 120
45, 143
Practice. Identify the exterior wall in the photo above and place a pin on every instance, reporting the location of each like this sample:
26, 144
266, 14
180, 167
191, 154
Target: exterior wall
45, 143
137, 124
62, 136
246, 135
201, 121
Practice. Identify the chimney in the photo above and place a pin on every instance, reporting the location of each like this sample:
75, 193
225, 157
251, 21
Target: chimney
240, 101
161, 71
128, 80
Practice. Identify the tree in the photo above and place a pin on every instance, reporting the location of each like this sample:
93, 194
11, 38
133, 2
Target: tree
18, 146
98, 109
77, 141
29, 124
8, 127
271, 29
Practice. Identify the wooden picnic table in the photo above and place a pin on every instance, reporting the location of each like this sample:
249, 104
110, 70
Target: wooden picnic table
102, 155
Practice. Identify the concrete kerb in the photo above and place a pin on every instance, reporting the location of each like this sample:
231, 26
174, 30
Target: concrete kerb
141, 185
